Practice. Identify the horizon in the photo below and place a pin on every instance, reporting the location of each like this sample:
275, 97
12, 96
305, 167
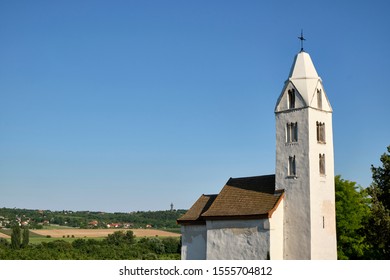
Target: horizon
135, 105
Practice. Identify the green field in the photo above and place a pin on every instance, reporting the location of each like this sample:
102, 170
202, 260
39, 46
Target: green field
40, 239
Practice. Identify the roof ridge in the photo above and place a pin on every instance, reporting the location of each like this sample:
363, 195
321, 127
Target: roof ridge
256, 176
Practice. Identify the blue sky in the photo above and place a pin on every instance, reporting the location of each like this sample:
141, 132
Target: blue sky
132, 105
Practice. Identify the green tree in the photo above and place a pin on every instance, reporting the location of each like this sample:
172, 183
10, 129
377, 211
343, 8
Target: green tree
171, 245
15, 237
351, 212
378, 226
120, 238
26, 237
153, 244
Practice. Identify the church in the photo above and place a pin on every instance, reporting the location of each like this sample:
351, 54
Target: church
289, 215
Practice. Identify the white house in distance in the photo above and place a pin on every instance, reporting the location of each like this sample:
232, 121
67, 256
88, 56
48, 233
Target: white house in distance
288, 215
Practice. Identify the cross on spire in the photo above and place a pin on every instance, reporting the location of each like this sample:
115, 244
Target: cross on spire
302, 39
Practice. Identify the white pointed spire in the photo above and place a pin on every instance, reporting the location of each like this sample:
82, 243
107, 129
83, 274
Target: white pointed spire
304, 76
306, 83
303, 67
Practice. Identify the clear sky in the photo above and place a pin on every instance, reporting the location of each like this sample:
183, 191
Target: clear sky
132, 105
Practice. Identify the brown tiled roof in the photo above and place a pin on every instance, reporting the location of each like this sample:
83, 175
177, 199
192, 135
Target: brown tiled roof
193, 215
248, 196
240, 198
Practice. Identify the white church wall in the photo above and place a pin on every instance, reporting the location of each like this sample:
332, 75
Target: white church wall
319, 90
193, 242
297, 190
323, 220
238, 240
276, 233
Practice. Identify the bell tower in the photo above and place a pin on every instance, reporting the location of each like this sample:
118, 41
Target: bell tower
305, 163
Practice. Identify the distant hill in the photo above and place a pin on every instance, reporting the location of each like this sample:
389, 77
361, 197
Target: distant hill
87, 219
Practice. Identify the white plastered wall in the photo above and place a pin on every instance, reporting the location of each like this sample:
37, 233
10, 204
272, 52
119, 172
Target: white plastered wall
323, 216
193, 242
276, 233
297, 190
238, 239
310, 231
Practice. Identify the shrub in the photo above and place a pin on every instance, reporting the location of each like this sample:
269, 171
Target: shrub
150, 256
171, 245
153, 244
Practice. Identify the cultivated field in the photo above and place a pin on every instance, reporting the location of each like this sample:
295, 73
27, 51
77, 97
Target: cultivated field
2, 235
93, 233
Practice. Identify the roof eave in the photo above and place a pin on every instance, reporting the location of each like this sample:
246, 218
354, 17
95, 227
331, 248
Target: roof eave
191, 222
237, 217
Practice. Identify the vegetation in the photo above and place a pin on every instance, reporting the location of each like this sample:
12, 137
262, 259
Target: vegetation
117, 246
15, 237
38, 219
26, 237
25, 245
363, 215
351, 212
378, 224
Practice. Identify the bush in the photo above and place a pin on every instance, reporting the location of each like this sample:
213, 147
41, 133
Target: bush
120, 238
3, 243
153, 244
79, 243
150, 256
171, 245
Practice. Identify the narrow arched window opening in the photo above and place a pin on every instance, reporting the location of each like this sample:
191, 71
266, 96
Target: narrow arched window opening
321, 132
291, 98
292, 132
292, 168
322, 164
319, 99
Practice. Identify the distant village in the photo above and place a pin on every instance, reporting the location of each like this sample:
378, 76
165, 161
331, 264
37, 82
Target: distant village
38, 219
27, 222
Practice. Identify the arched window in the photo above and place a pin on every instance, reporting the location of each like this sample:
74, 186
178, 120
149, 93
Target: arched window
322, 164
319, 99
292, 168
292, 132
291, 99
321, 132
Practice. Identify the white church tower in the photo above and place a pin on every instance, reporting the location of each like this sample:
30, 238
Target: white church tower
305, 164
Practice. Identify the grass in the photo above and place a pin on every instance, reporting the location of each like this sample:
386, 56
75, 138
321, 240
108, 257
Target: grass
33, 234
6, 231
9, 232
174, 230
38, 240
54, 226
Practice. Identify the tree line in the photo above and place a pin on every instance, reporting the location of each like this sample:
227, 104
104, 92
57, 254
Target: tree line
81, 219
